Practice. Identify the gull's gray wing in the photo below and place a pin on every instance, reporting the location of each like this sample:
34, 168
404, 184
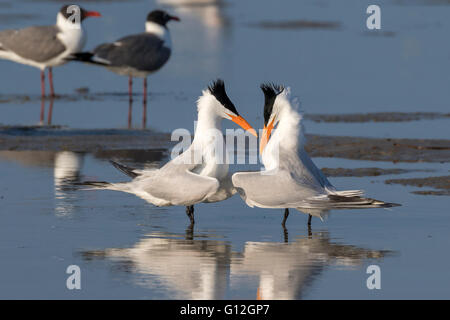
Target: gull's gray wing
39, 43
142, 51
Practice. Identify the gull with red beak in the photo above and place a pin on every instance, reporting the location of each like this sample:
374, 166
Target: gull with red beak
137, 55
200, 173
291, 179
47, 46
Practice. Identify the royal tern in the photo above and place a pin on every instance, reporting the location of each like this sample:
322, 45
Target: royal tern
47, 46
136, 55
291, 179
200, 173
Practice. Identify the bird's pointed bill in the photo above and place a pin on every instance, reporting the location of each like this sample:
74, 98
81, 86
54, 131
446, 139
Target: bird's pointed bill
93, 14
267, 131
243, 123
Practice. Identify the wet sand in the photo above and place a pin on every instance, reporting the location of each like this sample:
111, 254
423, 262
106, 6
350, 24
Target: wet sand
442, 184
365, 172
297, 25
358, 148
377, 117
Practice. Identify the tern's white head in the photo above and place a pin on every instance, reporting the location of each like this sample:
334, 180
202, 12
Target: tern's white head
214, 105
278, 109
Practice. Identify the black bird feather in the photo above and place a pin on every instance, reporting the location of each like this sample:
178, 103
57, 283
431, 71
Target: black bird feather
271, 91
217, 89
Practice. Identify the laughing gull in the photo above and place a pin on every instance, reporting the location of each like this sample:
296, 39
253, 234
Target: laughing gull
47, 46
136, 55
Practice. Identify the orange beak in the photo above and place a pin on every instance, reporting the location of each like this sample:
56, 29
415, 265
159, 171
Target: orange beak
243, 123
265, 136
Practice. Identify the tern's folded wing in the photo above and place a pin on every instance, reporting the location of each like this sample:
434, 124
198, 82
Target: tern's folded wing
180, 187
271, 189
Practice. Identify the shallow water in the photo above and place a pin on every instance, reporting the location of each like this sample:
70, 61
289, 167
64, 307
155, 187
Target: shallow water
127, 248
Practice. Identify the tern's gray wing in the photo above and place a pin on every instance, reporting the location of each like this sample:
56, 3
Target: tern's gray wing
272, 189
178, 186
39, 43
280, 189
142, 51
225, 190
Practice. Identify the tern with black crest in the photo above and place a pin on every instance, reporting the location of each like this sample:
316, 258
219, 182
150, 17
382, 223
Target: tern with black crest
137, 55
47, 46
290, 178
200, 173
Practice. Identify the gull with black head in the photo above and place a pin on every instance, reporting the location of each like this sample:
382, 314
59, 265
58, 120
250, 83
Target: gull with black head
47, 46
291, 179
137, 55
200, 173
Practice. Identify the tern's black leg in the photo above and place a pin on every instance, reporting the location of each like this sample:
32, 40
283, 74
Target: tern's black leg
190, 213
286, 215
285, 234
309, 220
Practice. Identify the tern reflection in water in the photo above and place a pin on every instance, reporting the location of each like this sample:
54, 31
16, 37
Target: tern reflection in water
205, 269
193, 269
286, 271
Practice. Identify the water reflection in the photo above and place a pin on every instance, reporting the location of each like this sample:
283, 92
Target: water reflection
67, 169
191, 269
208, 12
66, 172
50, 111
207, 20
287, 270
130, 114
205, 269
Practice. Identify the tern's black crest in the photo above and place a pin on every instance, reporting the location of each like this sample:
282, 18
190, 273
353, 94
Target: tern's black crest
160, 17
217, 89
270, 94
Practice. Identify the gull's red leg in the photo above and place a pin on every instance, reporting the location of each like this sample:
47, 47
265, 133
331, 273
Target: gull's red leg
50, 80
43, 83
130, 88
